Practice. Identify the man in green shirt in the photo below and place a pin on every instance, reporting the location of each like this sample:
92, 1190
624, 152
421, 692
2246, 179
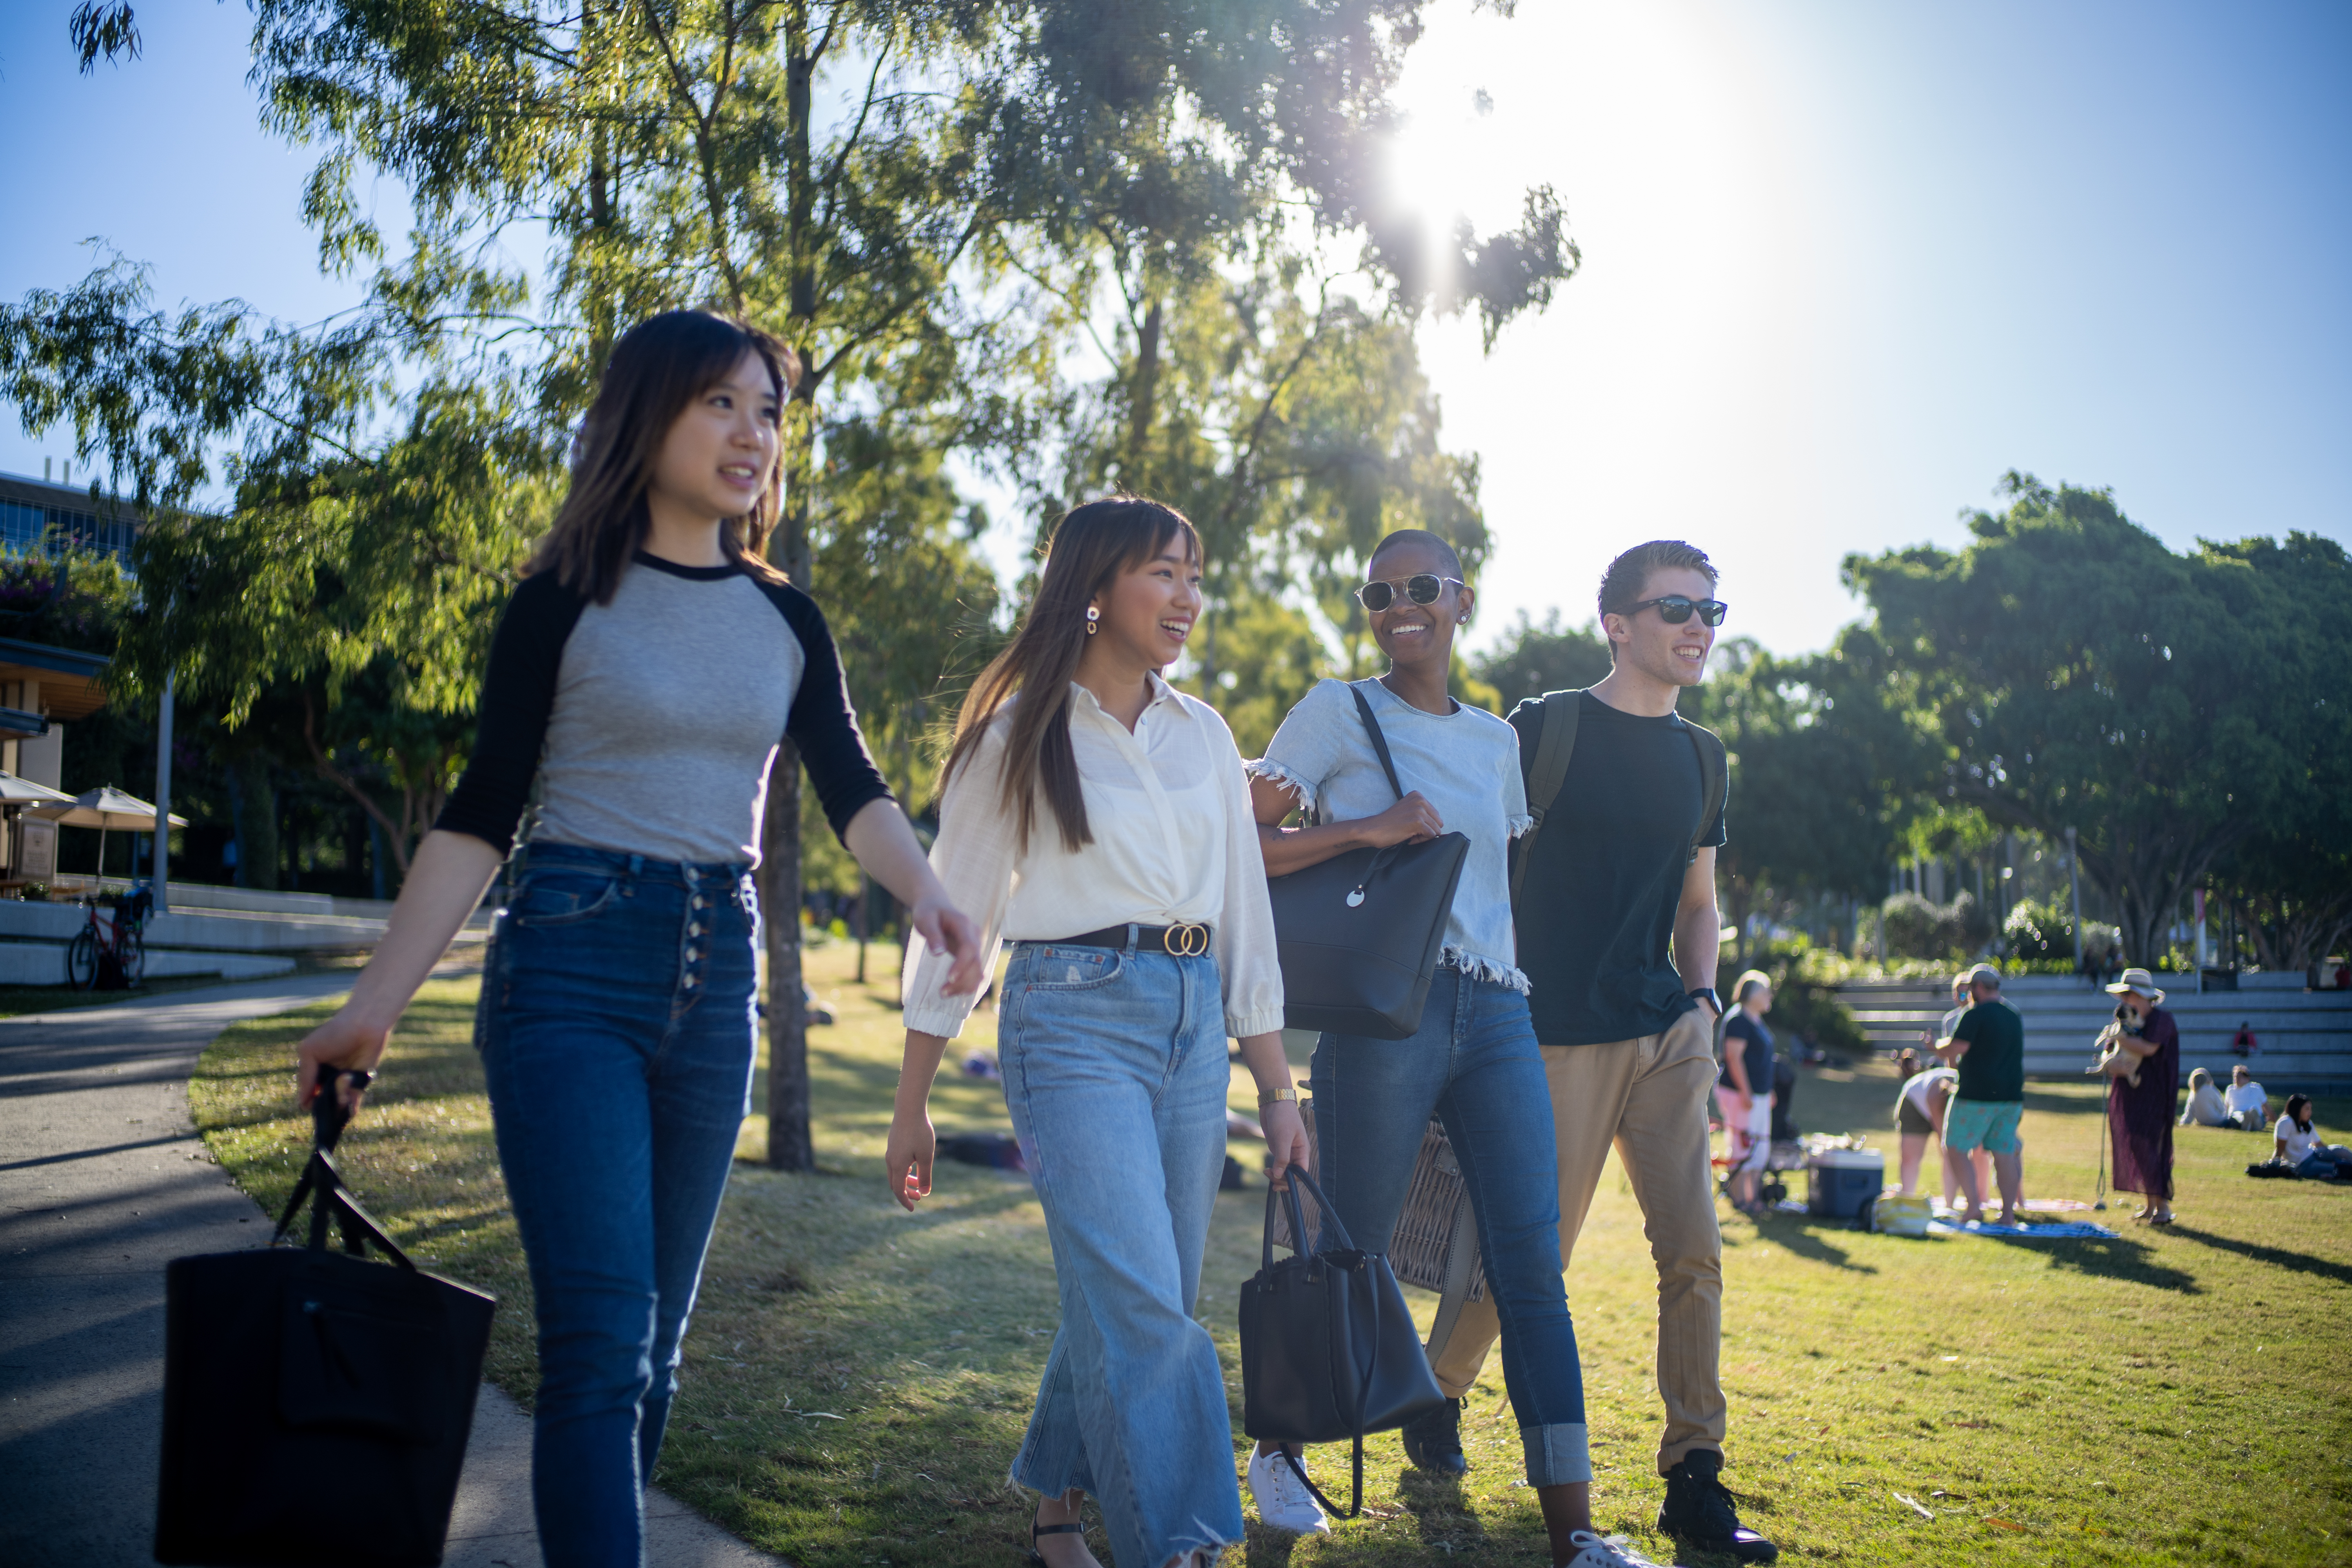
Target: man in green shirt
1987, 1046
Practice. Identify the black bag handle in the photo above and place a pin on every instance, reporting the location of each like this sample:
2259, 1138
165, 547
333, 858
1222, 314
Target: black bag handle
1380, 741
1299, 1218
1298, 1176
322, 1182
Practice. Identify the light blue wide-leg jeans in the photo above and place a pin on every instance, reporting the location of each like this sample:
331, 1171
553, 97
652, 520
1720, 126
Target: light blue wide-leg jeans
1114, 1072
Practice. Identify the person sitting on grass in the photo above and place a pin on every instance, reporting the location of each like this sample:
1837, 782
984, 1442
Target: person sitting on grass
2206, 1106
2301, 1148
2246, 1104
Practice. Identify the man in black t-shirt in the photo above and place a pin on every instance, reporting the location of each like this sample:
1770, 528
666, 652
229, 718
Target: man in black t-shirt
1617, 932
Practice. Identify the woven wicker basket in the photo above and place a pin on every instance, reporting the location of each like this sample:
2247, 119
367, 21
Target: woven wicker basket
1425, 1228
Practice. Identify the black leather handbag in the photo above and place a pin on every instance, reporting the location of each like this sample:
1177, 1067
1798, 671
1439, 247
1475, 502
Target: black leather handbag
316, 1404
1359, 935
1328, 1349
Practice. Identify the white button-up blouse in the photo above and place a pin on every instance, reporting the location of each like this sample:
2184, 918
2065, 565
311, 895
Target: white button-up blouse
1174, 842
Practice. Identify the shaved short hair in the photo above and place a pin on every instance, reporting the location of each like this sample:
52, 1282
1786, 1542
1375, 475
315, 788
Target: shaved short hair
1417, 536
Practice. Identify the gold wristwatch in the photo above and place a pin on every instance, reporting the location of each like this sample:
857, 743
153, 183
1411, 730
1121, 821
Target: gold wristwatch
1270, 1096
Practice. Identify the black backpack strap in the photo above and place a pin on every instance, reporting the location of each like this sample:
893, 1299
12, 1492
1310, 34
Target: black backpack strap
1715, 780
1380, 741
1556, 743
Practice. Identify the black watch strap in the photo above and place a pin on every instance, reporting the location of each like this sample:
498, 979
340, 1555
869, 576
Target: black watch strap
1712, 999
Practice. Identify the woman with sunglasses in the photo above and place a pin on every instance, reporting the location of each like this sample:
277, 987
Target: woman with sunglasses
1099, 819
1473, 1063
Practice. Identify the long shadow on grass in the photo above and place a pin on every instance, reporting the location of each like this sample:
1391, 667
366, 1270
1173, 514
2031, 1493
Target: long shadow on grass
2117, 1258
2278, 1257
1793, 1232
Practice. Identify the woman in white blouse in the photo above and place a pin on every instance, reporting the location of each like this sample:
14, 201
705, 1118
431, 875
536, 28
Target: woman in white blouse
1099, 820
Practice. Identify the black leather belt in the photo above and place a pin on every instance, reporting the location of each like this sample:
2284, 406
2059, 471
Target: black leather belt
1184, 940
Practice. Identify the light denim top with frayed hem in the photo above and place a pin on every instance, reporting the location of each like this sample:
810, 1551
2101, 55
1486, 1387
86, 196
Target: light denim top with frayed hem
1465, 763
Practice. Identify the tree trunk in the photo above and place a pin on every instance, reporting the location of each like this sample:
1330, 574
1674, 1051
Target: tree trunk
1145, 389
256, 806
791, 1146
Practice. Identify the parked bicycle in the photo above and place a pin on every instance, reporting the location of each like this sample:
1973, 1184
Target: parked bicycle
109, 953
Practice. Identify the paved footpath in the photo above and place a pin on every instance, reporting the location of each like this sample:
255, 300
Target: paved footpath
102, 1181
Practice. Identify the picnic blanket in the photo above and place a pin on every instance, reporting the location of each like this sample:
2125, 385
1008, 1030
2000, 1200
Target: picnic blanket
2059, 1230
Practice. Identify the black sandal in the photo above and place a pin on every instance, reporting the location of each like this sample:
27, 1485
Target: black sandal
1036, 1560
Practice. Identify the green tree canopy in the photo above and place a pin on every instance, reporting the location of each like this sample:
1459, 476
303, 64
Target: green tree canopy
2072, 672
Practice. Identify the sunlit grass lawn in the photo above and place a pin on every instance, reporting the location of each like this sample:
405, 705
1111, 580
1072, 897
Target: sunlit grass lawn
857, 1378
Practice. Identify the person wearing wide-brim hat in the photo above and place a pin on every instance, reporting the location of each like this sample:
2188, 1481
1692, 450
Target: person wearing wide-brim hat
2139, 1119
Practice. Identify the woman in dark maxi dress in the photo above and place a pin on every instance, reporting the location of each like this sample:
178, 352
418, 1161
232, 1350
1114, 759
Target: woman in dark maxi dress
2140, 1119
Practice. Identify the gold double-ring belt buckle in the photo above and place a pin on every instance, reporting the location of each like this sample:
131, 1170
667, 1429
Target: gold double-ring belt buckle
1185, 939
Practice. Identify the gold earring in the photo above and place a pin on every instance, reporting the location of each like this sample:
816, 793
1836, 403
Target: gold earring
1094, 620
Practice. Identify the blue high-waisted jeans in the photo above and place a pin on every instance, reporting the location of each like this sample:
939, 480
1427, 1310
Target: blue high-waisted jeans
1475, 1064
616, 1034
1115, 1073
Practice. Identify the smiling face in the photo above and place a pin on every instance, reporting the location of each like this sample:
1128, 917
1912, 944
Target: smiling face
717, 459
1647, 642
1148, 609
1416, 635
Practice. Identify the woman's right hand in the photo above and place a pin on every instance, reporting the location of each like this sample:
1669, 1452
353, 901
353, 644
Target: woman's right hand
906, 1157
1411, 820
344, 1043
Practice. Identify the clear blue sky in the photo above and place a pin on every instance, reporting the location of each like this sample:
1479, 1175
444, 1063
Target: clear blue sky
1844, 262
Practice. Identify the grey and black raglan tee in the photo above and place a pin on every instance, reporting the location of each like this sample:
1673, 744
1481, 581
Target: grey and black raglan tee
651, 721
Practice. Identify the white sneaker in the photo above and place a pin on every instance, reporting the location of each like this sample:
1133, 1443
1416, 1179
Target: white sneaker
1617, 1552
1283, 1502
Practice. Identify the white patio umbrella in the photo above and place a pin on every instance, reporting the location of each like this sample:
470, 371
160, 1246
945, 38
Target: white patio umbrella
106, 808
15, 791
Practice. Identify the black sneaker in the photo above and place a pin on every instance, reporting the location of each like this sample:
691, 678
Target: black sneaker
1699, 1510
1434, 1442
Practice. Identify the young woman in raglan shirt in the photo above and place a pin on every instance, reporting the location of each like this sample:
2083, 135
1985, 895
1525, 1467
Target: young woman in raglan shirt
644, 672
1098, 818
1475, 1062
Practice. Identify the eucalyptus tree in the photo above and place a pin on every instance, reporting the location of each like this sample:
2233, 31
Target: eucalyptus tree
666, 152
916, 194
1188, 178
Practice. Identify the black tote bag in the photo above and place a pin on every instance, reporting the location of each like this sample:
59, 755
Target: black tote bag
1328, 1349
1359, 935
316, 1404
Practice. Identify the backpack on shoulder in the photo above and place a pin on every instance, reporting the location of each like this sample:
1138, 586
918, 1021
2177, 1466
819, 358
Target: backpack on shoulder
1556, 743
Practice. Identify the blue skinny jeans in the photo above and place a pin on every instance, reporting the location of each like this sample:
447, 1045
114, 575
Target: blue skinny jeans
616, 1031
1473, 1064
1116, 1075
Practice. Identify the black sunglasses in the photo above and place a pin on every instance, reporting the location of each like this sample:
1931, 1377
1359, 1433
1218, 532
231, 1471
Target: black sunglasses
1421, 588
1676, 608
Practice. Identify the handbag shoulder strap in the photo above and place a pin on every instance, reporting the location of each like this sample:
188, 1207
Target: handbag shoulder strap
1556, 743
1380, 741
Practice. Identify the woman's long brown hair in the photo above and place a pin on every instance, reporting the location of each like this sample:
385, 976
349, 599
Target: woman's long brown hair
1090, 547
659, 367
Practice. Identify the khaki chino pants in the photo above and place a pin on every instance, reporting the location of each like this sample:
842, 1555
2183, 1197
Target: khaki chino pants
1647, 1097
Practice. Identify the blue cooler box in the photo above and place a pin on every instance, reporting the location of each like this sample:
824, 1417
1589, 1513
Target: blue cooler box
1843, 1182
